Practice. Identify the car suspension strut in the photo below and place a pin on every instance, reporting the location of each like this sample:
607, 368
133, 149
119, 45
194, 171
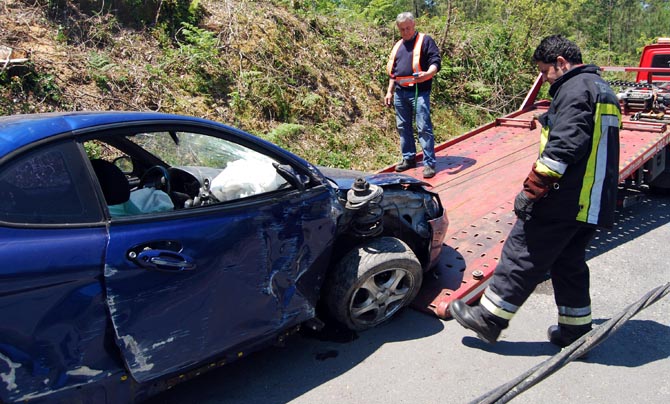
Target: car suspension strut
364, 200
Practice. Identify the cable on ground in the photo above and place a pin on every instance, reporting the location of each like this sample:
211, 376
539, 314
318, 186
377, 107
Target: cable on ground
576, 350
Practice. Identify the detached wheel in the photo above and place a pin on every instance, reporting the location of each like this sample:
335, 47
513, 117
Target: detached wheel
372, 282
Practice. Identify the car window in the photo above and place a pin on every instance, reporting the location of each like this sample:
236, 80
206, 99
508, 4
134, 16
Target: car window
179, 170
47, 186
661, 61
96, 149
229, 170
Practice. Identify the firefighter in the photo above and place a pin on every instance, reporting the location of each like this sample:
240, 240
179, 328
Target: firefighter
569, 192
413, 62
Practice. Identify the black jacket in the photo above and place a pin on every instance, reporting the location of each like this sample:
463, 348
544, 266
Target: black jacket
430, 55
580, 145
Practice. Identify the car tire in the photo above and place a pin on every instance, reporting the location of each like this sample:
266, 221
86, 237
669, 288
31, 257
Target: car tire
372, 282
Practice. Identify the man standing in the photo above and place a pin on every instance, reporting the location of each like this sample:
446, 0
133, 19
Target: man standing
411, 98
570, 191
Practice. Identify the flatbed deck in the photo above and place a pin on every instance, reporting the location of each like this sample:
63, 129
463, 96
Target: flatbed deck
478, 175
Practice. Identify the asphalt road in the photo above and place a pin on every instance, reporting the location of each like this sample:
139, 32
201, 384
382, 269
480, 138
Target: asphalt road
417, 358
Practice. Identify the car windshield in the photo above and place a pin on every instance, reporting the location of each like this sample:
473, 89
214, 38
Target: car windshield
190, 149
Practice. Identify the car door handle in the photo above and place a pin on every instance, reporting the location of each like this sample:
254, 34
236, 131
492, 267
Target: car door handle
165, 260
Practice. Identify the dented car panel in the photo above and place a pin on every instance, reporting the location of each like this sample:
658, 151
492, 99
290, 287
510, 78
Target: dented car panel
190, 245
382, 179
54, 322
249, 279
407, 203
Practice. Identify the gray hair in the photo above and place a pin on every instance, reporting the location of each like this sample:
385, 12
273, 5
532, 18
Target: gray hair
402, 17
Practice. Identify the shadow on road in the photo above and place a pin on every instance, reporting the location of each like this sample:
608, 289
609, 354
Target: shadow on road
279, 375
651, 212
637, 343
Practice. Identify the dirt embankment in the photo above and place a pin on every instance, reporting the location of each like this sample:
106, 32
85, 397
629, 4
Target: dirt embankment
251, 64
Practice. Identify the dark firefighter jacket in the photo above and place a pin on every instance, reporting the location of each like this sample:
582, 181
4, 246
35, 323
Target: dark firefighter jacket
579, 148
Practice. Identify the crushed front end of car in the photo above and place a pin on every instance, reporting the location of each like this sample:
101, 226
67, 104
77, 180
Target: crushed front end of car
390, 232
392, 205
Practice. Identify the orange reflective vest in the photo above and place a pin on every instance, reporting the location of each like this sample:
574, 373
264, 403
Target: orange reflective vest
406, 81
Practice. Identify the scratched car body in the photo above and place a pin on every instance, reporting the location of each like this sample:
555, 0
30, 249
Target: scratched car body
140, 249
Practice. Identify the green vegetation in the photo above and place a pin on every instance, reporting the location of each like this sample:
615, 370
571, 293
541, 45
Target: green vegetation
305, 74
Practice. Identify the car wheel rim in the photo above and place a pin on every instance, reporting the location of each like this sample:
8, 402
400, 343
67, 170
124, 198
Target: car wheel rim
380, 296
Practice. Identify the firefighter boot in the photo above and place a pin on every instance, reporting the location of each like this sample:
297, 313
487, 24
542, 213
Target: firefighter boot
405, 165
477, 320
563, 335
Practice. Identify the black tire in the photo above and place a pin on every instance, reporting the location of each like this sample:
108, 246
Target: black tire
372, 282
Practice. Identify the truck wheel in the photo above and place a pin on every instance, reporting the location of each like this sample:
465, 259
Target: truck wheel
372, 282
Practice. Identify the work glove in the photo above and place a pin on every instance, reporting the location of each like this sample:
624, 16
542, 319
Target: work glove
523, 206
535, 187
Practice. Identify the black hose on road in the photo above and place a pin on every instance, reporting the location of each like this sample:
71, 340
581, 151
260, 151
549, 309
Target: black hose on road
577, 349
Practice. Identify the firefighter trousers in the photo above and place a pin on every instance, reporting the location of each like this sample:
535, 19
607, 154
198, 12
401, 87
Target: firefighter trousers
535, 249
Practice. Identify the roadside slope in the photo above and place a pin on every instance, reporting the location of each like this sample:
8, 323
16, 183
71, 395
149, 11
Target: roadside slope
310, 83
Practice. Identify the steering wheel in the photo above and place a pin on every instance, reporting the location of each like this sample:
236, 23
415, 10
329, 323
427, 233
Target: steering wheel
157, 177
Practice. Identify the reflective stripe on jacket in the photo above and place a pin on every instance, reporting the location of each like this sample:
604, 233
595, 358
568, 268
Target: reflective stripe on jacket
579, 147
406, 81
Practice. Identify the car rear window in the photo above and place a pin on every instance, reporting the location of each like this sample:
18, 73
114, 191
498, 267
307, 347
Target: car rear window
47, 186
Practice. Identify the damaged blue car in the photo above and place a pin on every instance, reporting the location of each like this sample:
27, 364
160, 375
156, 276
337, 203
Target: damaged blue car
141, 249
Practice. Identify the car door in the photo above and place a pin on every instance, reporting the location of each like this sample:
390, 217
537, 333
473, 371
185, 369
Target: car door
52, 240
216, 279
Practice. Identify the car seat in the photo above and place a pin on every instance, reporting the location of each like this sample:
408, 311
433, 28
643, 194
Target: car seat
113, 182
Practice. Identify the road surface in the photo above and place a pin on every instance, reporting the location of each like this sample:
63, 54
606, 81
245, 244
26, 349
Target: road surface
417, 358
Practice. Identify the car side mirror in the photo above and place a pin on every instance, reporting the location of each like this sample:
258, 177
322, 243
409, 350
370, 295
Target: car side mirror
288, 173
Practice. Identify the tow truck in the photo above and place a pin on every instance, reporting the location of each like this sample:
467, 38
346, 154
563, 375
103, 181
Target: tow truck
480, 172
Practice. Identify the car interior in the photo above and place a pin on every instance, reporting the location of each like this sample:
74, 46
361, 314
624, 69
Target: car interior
149, 184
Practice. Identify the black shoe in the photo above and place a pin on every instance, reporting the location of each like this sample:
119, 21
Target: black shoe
405, 165
473, 319
428, 172
564, 335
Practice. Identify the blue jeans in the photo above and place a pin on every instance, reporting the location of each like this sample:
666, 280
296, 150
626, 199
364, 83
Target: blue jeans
403, 101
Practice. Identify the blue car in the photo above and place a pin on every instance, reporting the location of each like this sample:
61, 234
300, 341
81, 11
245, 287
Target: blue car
141, 249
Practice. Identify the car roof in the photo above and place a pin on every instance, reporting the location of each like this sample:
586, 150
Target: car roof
19, 130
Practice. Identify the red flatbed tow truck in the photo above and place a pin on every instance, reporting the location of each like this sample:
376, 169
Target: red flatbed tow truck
479, 174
